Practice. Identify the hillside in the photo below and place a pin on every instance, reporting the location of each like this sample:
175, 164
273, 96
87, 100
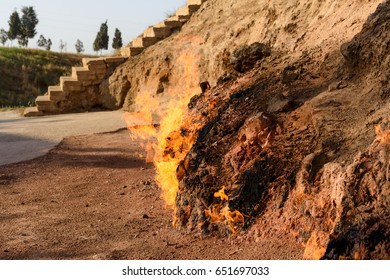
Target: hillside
291, 28
291, 140
26, 73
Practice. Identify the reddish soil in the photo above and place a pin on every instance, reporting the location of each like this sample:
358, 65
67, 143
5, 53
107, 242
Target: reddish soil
94, 197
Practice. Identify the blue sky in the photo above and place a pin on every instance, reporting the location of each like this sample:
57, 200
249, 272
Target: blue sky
69, 20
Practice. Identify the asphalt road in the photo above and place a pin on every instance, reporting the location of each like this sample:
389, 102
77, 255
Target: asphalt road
27, 138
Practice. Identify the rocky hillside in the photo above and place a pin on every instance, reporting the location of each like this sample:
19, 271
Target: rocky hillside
292, 139
291, 28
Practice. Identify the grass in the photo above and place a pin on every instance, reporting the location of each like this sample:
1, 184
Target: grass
26, 73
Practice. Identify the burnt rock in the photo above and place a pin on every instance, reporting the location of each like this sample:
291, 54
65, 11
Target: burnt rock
290, 74
234, 153
245, 58
284, 174
227, 77
205, 86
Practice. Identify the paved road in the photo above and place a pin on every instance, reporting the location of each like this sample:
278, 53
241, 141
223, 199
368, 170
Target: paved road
27, 138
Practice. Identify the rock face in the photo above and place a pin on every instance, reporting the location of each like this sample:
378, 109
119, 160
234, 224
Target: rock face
364, 56
318, 169
219, 27
245, 58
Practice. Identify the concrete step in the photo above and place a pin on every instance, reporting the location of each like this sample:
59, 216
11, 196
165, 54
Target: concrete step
93, 61
183, 13
144, 42
195, 2
159, 31
81, 73
32, 112
55, 93
187, 11
131, 51
115, 59
135, 51
70, 84
125, 51
193, 8
173, 22
45, 105
43, 99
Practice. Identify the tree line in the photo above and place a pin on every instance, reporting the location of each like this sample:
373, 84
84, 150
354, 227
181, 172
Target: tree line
22, 28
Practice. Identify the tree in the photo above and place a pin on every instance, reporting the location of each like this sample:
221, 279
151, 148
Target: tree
29, 22
79, 46
102, 39
105, 38
42, 42
49, 43
15, 26
117, 41
97, 43
3, 36
62, 45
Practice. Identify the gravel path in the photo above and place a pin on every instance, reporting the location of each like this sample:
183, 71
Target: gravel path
27, 138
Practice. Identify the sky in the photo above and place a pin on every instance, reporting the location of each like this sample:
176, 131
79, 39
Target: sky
69, 20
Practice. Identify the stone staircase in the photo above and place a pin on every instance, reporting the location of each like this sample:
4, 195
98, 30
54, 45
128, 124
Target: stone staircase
79, 92
162, 30
68, 95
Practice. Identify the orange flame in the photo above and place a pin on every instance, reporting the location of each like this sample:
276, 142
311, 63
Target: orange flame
383, 137
221, 194
167, 146
313, 249
222, 214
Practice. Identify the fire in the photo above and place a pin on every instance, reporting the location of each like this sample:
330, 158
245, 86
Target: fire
383, 137
314, 250
160, 121
219, 213
221, 194
170, 129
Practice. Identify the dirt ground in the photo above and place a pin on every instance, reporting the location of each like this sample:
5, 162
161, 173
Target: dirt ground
94, 197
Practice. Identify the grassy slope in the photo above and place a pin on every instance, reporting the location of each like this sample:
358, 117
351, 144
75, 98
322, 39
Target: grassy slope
26, 73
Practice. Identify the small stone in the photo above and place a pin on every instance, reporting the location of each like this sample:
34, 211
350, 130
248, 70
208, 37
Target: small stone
145, 216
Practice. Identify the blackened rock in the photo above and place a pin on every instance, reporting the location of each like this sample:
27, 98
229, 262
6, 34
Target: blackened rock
245, 57
290, 74
226, 78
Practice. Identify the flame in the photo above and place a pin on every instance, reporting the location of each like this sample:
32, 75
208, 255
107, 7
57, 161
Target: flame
170, 130
160, 121
383, 137
218, 213
313, 249
221, 194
